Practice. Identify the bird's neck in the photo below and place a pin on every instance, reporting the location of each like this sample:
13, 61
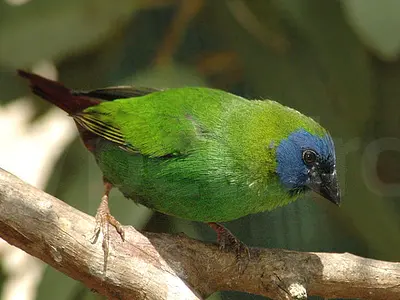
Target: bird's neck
250, 145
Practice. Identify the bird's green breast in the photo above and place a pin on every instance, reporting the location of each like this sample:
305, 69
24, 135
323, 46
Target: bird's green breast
202, 154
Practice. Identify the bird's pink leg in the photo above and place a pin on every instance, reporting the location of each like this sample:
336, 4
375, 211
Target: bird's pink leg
228, 242
103, 221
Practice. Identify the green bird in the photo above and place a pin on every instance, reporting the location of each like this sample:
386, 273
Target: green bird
197, 153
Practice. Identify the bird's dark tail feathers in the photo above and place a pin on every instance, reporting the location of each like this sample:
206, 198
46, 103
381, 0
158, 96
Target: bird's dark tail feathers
57, 94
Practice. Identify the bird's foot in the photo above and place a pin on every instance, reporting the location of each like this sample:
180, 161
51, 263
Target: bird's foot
229, 243
103, 221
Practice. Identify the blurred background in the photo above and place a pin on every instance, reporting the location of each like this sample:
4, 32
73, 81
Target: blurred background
336, 61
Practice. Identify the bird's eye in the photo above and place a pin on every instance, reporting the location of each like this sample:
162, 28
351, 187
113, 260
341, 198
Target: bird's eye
309, 157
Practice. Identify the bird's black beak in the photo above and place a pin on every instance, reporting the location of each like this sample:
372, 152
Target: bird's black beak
327, 186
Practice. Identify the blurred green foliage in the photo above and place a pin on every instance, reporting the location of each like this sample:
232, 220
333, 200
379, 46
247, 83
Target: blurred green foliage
334, 60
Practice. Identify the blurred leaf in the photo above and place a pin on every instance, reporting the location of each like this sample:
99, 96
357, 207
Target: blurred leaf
377, 24
81, 292
260, 20
3, 278
55, 29
388, 78
167, 76
10, 86
56, 285
339, 58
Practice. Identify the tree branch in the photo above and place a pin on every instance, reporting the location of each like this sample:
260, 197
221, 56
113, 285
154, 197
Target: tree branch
163, 266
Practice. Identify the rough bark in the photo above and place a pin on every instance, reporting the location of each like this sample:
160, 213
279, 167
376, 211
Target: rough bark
162, 266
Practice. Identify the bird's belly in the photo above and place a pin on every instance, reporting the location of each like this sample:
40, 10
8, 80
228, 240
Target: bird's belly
188, 198
180, 188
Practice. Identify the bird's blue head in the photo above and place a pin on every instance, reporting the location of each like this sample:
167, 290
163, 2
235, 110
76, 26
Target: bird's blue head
307, 161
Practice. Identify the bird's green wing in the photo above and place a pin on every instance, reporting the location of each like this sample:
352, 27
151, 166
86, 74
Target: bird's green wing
165, 123
107, 131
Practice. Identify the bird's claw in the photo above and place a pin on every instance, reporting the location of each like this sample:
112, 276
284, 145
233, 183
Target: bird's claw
103, 221
229, 243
